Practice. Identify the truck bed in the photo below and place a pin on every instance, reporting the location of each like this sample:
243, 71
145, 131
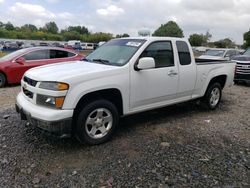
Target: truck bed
208, 61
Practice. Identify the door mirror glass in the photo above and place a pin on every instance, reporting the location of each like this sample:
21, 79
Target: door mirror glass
20, 60
145, 63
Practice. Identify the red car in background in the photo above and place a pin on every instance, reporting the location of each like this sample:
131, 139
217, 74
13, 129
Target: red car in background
14, 65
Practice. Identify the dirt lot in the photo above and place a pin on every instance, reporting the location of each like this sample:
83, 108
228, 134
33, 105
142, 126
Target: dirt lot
180, 146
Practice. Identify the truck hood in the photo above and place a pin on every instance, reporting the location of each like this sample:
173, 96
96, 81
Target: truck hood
67, 71
211, 57
242, 58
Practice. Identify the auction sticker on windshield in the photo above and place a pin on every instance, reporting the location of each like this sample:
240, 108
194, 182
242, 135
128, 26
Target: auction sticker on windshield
134, 44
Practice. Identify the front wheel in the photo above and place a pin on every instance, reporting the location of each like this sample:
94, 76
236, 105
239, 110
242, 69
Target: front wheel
2, 80
213, 96
96, 122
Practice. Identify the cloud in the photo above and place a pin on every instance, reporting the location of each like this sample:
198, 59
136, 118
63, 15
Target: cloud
22, 13
1, 1
224, 18
26, 10
111, 10
52, 1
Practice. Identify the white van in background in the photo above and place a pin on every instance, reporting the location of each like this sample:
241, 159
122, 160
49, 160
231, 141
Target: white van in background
73, 42
87, 46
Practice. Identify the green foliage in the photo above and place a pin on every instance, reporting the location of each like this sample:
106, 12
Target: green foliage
170, 29
9, 26
51, 27
79, 29
225, 43
28, 28
196, 39
246, 38
50, 32
97, 37
122, 36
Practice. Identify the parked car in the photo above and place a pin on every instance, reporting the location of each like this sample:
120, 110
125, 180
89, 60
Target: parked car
13, 65
220, 54
242, 73
87, 46
122, 77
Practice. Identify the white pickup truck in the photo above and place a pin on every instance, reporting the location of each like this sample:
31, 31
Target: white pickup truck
122, 77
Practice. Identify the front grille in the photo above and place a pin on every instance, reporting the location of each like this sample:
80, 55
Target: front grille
243, 68
30, 81
28, 93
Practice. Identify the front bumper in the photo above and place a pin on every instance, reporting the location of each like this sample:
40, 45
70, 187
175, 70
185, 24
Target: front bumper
242, 77
58, 122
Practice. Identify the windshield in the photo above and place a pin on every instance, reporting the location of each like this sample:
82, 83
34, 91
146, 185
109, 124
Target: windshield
115, 52
219, 53
247, 52
12, 55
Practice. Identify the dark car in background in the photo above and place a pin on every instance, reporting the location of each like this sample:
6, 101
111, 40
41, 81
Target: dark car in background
242, 67
15, 64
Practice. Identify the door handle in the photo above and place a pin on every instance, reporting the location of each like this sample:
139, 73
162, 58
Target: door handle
172, 73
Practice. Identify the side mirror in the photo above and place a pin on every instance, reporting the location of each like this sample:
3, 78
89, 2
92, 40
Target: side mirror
20, 60
145, 63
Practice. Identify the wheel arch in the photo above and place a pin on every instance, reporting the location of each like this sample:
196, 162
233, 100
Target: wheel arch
221, 79
112, 94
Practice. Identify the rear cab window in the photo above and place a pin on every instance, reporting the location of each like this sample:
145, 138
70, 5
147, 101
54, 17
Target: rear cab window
183, 53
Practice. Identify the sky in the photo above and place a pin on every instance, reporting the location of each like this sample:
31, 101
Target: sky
223, 18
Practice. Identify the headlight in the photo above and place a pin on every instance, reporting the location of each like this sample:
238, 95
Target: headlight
55, 86
53, 102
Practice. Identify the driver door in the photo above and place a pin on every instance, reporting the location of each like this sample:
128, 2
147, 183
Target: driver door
157, 86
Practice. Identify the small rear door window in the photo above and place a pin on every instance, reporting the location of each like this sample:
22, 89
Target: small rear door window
183, 52
60, 54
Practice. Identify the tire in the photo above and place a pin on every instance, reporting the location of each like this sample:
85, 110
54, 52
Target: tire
96, 122
2, 80
213, 96
236, 82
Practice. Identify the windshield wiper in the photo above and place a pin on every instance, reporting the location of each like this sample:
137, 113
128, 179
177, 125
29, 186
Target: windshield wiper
103, 61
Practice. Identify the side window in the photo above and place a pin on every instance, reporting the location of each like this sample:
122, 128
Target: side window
231, 53
37, 55
237, 52
60, 54
162, 52
183, 52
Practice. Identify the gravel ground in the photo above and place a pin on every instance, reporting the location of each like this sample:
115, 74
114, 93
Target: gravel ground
178, 146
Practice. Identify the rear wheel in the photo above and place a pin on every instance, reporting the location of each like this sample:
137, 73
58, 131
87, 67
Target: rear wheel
2, 80
96, 122
213, 96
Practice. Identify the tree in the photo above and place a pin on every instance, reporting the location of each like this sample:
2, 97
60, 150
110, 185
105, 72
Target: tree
122, 36
9, 26
225, 43
197, 39
29, 27
51, 27
246, 38
79, 29
208, 36
170, 29
1, 24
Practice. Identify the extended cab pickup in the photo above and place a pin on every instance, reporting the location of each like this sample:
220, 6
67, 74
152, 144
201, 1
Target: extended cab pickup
122, 77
